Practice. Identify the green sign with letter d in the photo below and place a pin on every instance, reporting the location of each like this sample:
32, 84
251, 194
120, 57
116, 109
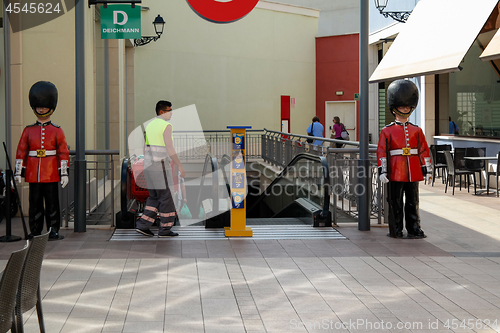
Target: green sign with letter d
120, 22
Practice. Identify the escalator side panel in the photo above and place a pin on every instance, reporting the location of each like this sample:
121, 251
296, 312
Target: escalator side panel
304, 177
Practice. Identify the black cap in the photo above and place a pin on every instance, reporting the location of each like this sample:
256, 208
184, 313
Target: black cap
43, 94
402, 93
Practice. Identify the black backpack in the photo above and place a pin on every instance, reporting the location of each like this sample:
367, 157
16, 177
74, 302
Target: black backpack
311, 134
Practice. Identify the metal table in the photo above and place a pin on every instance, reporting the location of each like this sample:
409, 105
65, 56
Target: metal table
486, 165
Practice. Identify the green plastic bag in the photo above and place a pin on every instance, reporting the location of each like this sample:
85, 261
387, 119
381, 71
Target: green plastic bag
185, 213
201, 216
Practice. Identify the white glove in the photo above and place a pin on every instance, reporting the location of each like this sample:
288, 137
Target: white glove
19, 169
428, 166
64, 181
383, 178
64, 173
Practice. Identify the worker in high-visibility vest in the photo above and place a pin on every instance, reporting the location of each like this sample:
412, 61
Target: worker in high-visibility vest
159, 148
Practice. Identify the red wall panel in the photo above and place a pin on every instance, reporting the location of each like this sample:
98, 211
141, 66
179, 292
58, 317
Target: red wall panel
337, 69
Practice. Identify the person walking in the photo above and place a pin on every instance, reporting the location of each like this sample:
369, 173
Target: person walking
159, 151
403, 158
315, 129
338, 127
42, 156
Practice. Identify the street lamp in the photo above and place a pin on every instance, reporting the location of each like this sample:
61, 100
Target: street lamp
159, 24
398, 16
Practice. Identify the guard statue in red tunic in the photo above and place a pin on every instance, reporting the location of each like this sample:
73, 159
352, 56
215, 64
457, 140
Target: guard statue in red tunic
403, 159
42, 156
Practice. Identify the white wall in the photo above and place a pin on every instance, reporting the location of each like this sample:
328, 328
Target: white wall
337, 17
379, 22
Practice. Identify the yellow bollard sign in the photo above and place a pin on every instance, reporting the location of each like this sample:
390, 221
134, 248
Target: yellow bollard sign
238, 226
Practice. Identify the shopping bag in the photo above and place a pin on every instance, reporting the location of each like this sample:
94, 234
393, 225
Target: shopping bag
185, 213
201, 216
344, 134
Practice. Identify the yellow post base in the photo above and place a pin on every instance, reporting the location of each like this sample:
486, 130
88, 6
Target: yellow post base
247, 232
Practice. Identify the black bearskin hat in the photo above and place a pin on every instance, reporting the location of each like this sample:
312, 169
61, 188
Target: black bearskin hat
402, 93
43, 94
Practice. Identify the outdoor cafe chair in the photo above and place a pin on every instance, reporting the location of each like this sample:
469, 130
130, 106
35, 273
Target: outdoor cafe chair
475, 165
453, 170
495, 173
28, 294
9, 282
438, 161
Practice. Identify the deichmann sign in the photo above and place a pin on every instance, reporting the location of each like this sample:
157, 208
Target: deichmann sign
222, 11
120, 22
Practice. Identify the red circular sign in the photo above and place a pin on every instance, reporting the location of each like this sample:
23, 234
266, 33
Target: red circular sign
222, 12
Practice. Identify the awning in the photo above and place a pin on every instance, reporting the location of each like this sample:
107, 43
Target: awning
435, 38
492, 51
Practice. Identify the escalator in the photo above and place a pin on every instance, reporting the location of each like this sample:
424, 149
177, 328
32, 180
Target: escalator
299, 195
215, 202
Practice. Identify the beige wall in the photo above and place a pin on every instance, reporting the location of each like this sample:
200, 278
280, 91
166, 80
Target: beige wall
48, 55
47, 52
2, 93
234, 73
427, 100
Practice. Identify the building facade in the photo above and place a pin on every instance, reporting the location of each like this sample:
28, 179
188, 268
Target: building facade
447, 57
234, 73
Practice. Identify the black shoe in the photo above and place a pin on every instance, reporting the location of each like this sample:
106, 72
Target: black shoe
418, 234
145, 232
397, 235
168, 233
55, 236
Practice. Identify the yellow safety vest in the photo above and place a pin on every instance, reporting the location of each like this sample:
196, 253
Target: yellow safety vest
155, 130
154, 137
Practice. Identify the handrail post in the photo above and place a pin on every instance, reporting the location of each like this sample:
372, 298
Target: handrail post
112, 191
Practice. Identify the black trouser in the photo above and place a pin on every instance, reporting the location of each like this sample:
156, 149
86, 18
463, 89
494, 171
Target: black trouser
160, 200
410, 191
44, 203
339, 145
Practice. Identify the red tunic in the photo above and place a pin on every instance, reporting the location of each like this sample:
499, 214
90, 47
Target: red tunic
399, 135
42, 136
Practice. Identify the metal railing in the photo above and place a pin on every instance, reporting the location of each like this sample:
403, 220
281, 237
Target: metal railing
195, 145
346, 187
273, 147
279, 148
101, 182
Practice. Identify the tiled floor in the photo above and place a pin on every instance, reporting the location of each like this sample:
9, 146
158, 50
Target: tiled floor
365, 283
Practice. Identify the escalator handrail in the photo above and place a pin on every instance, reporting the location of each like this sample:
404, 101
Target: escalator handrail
225, 160
215, 181
326, 180
123, 186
